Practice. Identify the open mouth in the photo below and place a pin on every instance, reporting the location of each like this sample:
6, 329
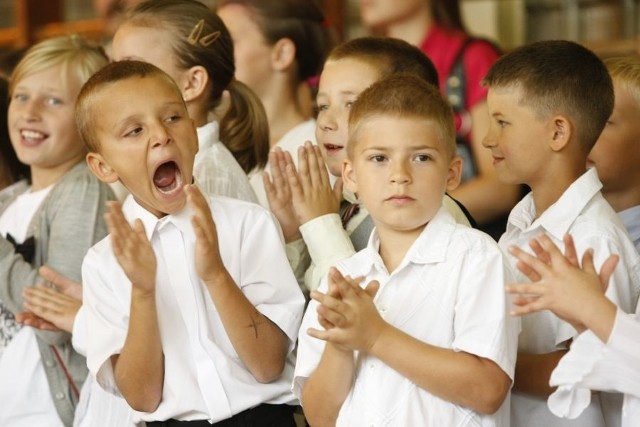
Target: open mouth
330, 148
167, 178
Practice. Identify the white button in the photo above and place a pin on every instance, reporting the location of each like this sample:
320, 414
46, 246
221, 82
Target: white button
49, 363
59, 395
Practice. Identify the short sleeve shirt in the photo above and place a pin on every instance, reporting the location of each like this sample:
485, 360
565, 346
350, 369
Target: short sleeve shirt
449, 292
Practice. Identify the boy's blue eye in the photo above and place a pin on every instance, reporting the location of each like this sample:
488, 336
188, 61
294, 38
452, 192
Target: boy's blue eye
323, 107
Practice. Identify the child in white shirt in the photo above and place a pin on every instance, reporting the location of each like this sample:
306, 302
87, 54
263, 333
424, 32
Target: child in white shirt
193, 310
414, 329
543, 127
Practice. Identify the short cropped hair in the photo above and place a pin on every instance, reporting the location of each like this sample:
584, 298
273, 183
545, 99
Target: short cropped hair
625, 71
559, 77
77, 56
112, 73
388, 56
403, 96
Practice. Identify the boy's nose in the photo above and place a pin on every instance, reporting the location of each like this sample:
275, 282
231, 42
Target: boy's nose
160, 136
400, 173
327, 121
488, 141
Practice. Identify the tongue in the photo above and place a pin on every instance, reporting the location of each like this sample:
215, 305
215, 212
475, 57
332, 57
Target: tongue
165, 175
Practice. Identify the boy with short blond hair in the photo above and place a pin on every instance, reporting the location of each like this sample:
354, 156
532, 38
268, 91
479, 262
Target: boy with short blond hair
548, 102
192, 310
413, 329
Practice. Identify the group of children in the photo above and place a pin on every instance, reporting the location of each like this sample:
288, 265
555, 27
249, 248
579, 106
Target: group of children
188, 298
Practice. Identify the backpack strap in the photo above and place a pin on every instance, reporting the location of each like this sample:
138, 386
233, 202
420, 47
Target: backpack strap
456, 82
456, 93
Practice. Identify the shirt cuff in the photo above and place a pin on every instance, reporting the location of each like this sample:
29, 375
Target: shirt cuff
326, 239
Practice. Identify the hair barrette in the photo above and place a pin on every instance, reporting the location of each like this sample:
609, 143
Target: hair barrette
195, 36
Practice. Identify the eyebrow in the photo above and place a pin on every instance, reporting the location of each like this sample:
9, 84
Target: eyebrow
47, 89
342, 92
410, 148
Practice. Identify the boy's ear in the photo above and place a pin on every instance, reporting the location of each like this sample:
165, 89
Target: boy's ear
454, 174
194, 82
283, 54
562, 132
348, 176
101, 168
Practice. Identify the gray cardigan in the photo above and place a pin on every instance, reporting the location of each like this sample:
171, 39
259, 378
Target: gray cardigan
68, 222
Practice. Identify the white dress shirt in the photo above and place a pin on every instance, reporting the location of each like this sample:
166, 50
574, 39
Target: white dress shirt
328, 242
448, 291
584, 213
204, 377
215, 169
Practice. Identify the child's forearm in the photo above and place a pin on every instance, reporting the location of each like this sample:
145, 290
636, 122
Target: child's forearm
327, 388
599, 315
459, 377
533, 372
261, 344
139, 368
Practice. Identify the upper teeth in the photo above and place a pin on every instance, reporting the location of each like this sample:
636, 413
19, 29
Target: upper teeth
32, 134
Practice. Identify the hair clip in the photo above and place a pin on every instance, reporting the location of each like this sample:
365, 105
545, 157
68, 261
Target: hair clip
194, 38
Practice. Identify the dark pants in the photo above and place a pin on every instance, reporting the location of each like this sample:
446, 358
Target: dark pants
264, 415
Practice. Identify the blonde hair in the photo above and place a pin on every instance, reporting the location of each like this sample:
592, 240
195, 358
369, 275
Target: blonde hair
403, 96
625, 71
74, 54
201, 38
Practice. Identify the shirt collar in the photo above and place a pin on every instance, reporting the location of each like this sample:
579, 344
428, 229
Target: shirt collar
558, 217
207, 134
182, 219
429, 248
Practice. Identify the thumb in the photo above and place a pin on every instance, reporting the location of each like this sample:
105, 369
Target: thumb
372, 288
607, 270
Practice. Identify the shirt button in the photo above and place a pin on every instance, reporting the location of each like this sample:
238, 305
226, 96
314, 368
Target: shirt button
49, 363
59, 395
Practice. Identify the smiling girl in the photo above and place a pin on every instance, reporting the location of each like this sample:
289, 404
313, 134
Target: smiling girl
53, 219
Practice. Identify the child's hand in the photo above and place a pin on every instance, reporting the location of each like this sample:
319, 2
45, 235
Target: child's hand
356, 323
48, 309
333, 291
27, 318
311, 191
132, 249
279, 194
65, 285
558, 283
208, 261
